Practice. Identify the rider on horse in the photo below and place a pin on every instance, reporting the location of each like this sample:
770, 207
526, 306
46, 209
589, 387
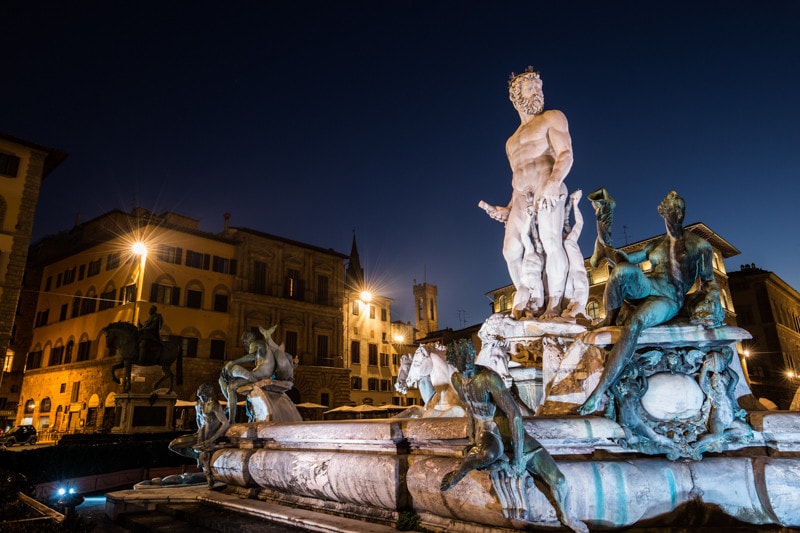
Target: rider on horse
150, 334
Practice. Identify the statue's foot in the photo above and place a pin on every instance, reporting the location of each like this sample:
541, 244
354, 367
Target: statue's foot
590, 405
450, 480
574, 524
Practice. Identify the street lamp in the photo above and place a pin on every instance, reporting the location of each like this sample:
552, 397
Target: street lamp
139, 249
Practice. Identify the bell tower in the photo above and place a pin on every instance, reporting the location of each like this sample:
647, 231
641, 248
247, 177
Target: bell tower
426, 310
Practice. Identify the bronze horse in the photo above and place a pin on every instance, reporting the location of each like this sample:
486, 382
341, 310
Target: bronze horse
124, 338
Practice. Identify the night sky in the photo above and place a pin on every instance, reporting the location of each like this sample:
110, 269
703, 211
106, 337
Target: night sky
389, 118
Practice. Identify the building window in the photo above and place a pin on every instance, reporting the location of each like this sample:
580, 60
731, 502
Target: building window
76, 391
322, 351
355, 352
224, 265
432, 313
64, 310
384, 359
197, 260
221, 303
373, 354
41, 318
68, 352
30, 405
290, 338
258, 282
69, 276
76, 306
293, 285
188, 345
83, 350
194, 299
372, 312
9, 165
217, 349
421, 309
355, 383
593, 309
322, 290
81, 272
45, 405
127, 294
384, 314
34, 360
386, 385
107, 300
356, 307
372, 384
56, 356
164, 294
112, 261
170, 254
94, 268
88, 305
48, 283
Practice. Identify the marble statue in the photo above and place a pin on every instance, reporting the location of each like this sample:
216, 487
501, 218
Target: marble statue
679, 259
430, 361
576, 291
540, 154
270, 360
211, 425
499, 442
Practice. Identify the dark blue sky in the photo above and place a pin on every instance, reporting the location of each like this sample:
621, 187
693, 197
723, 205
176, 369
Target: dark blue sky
390, 118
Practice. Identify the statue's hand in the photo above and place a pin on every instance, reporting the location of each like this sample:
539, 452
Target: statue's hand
550, 196
496, 212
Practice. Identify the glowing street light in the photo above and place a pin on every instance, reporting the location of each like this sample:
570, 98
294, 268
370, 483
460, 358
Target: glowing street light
365, 296
139, 249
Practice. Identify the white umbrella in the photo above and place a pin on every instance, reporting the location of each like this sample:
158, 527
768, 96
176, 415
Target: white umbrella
310, 405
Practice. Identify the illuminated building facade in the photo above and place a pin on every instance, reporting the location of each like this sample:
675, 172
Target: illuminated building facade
209, 288
23, 166
769, 309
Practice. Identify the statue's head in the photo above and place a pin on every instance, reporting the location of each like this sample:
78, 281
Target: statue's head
525, 92
153, 309
672, 208
205, 391
247, 338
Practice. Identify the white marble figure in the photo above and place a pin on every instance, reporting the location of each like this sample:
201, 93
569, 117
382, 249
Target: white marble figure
441, 400
540, 154
576, 292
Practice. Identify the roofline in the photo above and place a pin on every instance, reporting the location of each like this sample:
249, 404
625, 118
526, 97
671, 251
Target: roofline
258, 233
53, 158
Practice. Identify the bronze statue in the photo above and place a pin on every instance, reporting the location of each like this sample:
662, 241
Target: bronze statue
270, 362
678, 260
211, 423
150, 333
494, 425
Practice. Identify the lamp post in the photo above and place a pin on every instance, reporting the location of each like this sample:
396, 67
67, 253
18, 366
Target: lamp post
141, 250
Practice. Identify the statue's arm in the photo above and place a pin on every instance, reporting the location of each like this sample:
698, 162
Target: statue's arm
221, 424
708, 312
505, 402
561, 146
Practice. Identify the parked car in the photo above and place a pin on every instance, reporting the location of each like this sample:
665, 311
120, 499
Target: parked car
19, 435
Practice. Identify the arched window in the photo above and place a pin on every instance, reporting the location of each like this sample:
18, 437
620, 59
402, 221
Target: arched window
45, 406
593, 309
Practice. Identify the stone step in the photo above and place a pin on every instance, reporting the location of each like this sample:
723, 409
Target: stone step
199, 518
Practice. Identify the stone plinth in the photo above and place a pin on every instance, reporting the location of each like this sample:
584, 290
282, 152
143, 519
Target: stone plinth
144, 413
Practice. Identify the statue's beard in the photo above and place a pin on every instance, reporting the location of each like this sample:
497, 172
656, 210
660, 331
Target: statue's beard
531, 106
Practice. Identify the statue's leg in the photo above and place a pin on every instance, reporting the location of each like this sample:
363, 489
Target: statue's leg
550, 225
126, 382
652, 312
542, 465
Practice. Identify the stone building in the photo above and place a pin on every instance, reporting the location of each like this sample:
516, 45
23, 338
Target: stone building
770, 310
209, 288
23, 167
373, 343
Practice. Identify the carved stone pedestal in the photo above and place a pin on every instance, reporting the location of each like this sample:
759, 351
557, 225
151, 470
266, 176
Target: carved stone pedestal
144, 413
